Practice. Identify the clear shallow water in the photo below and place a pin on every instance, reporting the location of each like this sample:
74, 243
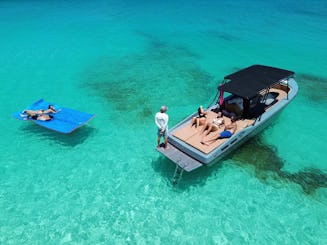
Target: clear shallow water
105, 183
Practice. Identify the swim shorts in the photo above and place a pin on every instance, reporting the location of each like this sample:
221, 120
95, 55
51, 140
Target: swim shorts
225, 134
164, 134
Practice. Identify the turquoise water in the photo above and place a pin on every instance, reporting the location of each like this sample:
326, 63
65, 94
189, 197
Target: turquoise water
105, 183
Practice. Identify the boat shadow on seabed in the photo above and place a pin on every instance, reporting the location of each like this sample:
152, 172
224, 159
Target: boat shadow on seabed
267, 165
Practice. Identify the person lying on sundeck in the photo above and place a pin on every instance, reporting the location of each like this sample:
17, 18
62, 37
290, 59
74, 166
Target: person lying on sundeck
229, 130
30, 113
214, 125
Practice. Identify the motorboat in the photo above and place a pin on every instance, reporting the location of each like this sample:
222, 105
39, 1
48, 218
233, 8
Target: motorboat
254, 96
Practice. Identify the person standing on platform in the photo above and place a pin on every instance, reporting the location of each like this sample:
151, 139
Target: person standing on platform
161, 120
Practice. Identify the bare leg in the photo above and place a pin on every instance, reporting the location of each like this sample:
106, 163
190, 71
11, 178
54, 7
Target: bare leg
209, 129
212, 128
158, 140
197, 122
30, 112
202, 121
166, 143
210, 141
204, 128
193, 121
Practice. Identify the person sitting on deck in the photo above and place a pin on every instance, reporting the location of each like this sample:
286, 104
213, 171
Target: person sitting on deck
200, 119
229, 130
30, 113
214, 125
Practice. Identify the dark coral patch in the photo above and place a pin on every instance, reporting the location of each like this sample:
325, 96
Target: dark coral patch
221, 35
313, 87
309, 13
137, 84
309, 179
268, 167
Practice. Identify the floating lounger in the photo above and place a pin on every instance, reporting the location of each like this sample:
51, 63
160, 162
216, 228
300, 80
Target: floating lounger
64, 121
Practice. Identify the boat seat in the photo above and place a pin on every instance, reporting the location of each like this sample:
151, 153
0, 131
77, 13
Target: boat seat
281, 94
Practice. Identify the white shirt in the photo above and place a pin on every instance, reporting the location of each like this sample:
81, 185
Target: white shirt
161, 120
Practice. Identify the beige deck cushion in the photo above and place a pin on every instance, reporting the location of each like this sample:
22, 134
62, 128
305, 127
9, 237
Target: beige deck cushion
281, 94
186, 132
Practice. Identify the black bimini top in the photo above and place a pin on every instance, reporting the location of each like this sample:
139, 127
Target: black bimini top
248, 82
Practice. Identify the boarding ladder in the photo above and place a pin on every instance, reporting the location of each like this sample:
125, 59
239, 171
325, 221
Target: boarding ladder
177, 174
